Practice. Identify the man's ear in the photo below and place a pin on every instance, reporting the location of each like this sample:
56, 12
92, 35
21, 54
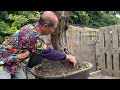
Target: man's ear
45, 25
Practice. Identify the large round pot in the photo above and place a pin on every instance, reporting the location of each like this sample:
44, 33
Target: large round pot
79, 74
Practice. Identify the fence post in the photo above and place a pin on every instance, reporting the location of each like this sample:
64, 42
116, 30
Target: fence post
115, 50
108, 51
102, 53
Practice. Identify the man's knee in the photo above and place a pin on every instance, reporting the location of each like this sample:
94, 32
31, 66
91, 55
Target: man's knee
35, 60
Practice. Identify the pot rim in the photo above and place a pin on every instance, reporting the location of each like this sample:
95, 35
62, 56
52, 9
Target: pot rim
63, 75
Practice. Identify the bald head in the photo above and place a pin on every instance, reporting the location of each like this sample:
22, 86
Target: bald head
48, 17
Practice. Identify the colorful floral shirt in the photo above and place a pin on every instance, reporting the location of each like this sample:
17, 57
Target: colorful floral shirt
22, 44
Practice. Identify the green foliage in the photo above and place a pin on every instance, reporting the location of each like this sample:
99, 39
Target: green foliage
77, 17
3, 26
6, 29
21, 18
10, 21
94, 19
14, 20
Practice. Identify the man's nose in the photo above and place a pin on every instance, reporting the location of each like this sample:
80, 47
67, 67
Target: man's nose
53, 30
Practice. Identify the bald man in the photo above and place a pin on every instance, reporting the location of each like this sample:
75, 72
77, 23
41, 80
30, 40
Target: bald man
28, 42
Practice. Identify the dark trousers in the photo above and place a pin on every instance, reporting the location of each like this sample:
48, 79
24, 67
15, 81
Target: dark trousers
35, 60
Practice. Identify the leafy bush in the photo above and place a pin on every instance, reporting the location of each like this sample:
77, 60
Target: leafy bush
10, 21
94, 19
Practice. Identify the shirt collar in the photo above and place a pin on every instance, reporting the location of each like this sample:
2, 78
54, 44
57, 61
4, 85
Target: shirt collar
37, 26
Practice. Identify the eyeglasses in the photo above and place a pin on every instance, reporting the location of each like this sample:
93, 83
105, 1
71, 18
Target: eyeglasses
54, 28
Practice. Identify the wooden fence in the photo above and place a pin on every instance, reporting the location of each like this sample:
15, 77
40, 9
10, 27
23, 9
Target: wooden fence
82, 43
99, 47
109, 40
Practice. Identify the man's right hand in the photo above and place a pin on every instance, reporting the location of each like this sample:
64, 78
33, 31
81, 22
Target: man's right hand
71, 59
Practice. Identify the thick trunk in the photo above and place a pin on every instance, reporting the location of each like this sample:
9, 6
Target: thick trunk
59, 41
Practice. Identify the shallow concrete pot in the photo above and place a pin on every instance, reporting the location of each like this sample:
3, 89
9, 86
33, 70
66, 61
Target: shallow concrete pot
79, 74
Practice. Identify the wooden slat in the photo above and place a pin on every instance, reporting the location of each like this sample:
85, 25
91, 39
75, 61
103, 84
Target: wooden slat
90, 36
108, 49
97, 56
76, 44
82, 38
115, 51
93, 60
71, 41
101, 62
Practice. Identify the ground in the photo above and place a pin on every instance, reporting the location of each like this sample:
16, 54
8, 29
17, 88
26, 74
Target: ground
30, 76
100, 76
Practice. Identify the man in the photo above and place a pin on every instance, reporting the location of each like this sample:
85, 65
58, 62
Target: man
26, 42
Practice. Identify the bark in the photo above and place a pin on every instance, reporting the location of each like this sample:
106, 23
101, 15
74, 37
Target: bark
59, 40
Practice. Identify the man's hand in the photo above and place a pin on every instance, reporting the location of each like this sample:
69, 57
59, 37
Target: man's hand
71, 59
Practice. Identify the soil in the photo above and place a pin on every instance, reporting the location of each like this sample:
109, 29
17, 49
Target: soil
52, 68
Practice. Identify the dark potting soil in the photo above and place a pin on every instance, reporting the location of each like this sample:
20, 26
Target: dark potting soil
52, 68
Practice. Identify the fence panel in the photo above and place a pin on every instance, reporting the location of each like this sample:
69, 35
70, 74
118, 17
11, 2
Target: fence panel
82, 43
115, 50
109, 50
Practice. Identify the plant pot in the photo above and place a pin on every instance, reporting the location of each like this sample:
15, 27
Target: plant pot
79, 74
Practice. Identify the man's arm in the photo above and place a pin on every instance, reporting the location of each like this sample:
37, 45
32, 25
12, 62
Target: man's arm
55, 55
48, 53
52, 54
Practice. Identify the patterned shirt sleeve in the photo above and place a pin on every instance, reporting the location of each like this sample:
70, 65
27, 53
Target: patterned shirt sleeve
48, 53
